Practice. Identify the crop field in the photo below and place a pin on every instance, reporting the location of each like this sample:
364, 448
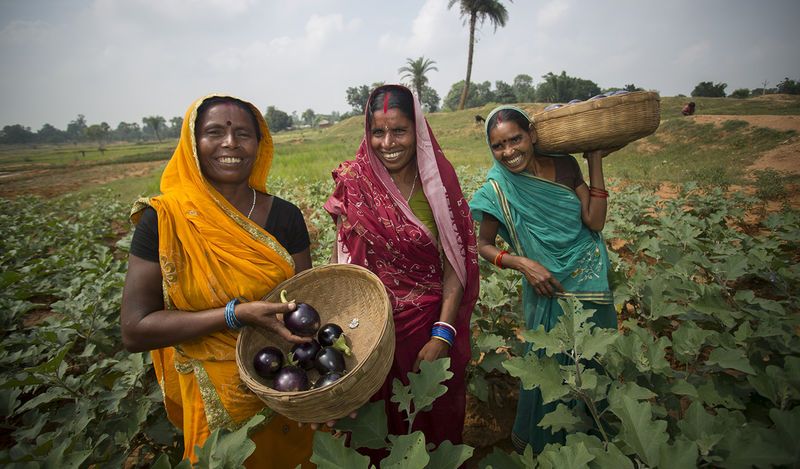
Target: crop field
704, 370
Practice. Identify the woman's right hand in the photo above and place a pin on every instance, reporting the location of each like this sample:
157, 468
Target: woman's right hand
538, 276
269, 316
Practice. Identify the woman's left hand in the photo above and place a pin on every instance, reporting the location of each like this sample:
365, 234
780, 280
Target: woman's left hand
431, 351
600, 154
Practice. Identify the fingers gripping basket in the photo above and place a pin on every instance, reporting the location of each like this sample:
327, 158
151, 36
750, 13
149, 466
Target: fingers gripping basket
339, 292
597, 124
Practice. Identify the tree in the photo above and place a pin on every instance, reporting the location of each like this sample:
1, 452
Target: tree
430, 99
277, 120
175, 125
504, 93
415, 71
788, 86
155, 123
308, 116
479, 95
98, 132
50, 134
741, 93
76, 129
474, 12
523, 88
128, 132
357, 96
16, 134
563, 88
706, 89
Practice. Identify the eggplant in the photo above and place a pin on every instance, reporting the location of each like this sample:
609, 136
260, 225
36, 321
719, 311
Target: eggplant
268, 361
303, 354
304, 321
291, 378
326, 379
329, 360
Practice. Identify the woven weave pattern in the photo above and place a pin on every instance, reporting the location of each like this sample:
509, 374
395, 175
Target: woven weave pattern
598, 124
340, 293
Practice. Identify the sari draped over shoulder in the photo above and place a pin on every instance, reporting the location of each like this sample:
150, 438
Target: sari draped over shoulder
541, 220
378, 230
210, 253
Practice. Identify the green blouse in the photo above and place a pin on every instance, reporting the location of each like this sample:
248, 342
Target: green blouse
422, 210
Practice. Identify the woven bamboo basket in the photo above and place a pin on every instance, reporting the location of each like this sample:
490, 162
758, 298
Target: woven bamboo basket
597, 124
339, 293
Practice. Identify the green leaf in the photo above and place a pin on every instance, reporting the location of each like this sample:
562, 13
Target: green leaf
730, 358
426, 386
52, 364
332, 453
573, 456
787, 423
553, 341
478, 387
369, 428
678, 456
493, 361
223, 449
447, 455
639, 431
606, 455
408, 451
489, 342
597, 342
683, 388
543, 373
699, 426
687, 340
60, 457
498, 459
562, 418
401, 394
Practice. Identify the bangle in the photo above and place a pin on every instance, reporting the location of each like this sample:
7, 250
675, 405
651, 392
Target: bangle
230, 315
444, 324
444, 334
499, 257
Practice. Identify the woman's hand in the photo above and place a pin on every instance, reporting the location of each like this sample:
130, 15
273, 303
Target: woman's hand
329, 423
269, 316
431, 351
538, 276
600, 154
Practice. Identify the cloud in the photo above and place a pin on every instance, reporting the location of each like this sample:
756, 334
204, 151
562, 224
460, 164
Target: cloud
549, 15
320, 32
426, 31
180, 11
25, 32
696, 53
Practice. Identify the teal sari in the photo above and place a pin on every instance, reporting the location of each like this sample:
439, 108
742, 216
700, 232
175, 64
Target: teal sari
541, 220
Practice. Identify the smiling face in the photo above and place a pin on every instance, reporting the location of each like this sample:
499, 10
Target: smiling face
512, 146
393, 138
227, 143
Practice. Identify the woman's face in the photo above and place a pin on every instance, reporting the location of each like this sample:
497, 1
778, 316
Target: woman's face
511, 145
393, 139
227, 143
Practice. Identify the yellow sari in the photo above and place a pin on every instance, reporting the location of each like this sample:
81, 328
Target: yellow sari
210, 253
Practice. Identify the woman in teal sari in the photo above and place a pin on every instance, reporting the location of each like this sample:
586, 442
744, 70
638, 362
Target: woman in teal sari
541, 206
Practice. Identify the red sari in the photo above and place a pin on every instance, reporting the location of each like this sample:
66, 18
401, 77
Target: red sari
377, 230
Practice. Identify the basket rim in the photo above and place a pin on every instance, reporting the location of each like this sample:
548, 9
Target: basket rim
602, 103
265, 391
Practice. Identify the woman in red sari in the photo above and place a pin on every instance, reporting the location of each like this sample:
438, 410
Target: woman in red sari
400, 212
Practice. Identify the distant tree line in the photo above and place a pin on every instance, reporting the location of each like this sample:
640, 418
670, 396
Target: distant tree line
707, 89
79, 131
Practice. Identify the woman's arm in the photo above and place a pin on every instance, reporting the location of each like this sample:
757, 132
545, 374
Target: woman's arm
593, 209
302, 260
452, 292
538, 276
146, 325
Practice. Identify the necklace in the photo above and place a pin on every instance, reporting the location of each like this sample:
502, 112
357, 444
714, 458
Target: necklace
254, 203
413, 184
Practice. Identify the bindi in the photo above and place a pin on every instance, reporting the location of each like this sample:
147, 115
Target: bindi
228, 123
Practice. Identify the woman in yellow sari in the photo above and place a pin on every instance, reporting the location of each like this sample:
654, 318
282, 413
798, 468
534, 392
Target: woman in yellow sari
212, 238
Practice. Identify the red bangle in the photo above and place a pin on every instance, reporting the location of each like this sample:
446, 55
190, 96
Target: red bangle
598, 193
499, 258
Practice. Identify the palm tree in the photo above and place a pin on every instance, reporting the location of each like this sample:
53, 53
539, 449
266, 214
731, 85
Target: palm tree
415, 71
476, 11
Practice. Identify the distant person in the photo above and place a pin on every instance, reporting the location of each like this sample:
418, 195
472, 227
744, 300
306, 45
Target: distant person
399, 211
542, 207
688, 110
213, 236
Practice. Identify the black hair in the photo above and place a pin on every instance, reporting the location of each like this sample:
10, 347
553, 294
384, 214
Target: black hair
399, 98
238, 102
504, 115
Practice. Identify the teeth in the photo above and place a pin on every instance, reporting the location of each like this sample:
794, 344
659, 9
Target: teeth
230, 160
514, 161
392, 156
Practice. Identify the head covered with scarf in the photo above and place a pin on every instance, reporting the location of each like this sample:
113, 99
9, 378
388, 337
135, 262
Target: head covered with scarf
378, 230
210, 253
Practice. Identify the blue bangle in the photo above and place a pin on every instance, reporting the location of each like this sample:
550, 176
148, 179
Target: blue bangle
230, 315
444, 334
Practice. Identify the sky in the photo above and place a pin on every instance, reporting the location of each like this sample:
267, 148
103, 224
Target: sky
121, 60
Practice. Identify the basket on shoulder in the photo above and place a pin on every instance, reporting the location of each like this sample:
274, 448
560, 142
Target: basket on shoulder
604, 121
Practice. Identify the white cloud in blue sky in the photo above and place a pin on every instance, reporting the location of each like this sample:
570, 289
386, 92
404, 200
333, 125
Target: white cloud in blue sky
120, 60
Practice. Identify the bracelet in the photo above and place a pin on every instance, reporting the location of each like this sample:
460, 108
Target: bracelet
499, 257
444, 334
230, 315
444, 324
